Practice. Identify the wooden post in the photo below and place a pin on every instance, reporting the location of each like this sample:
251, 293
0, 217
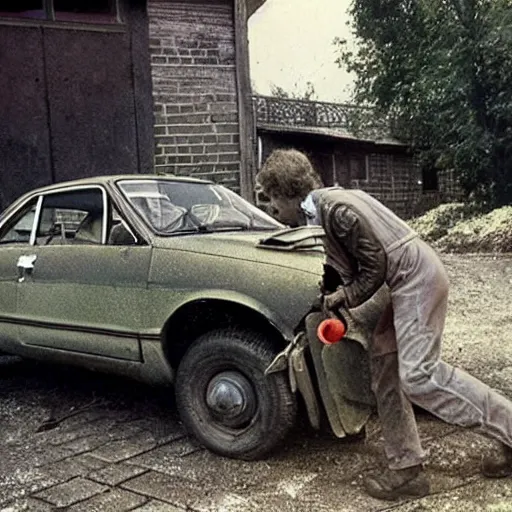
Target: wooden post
244, 93
136, 12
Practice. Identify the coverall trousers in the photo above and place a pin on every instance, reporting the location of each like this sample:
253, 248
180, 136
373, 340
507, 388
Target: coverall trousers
406, 365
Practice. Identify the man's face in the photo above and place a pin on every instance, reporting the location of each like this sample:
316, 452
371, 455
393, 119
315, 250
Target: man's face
287, 211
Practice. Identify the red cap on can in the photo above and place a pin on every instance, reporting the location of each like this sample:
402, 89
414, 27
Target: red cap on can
331, 330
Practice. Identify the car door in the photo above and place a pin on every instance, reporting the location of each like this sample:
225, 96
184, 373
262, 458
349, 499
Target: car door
79, 293
15, 235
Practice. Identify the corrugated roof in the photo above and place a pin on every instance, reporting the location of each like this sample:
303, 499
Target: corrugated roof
333, 133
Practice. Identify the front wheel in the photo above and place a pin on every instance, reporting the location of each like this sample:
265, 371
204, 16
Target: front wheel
226, 401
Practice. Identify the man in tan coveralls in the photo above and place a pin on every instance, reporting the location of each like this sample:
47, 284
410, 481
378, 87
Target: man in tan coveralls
369, 245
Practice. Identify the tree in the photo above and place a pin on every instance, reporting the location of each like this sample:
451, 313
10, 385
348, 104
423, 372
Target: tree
441, 71
307, 93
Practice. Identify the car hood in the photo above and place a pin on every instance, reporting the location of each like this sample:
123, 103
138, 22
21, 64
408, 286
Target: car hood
298, 248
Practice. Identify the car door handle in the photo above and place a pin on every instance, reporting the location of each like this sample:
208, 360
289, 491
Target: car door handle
25, 264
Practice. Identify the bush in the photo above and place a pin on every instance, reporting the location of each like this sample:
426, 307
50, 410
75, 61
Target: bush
436, 223
485, 233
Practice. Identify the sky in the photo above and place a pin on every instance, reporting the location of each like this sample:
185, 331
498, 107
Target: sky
290, 43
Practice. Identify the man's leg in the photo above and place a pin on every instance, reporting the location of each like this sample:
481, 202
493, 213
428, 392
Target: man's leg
449, 393
405, 476
396, 415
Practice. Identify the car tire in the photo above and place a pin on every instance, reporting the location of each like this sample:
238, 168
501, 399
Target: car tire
225, 400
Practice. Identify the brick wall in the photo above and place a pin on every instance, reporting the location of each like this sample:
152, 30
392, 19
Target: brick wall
394, 179
449, 186
192, 46
448, 191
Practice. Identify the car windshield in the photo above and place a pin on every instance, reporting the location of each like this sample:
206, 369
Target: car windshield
173, 207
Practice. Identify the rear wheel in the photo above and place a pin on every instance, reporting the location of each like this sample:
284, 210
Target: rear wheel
225, 399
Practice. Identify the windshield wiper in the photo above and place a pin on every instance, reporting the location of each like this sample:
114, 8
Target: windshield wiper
206, 229
187, 231
216, 229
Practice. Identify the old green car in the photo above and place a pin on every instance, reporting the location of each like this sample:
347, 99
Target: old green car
170, 281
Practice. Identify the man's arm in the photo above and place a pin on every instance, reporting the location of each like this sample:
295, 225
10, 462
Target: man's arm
355, 234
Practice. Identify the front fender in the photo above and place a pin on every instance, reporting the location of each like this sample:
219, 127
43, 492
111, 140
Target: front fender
283, 295
233, 297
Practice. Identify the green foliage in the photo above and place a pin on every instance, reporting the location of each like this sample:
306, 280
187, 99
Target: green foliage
306, 92
441, 71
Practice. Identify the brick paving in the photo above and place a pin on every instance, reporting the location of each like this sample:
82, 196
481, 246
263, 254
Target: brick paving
127, 450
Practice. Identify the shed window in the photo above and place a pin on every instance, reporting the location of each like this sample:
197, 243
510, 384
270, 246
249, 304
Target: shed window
84, 11
94, 11
22, 9
430, 180
358, 165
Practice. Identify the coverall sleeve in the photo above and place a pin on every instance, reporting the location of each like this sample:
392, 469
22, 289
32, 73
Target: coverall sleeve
355, 234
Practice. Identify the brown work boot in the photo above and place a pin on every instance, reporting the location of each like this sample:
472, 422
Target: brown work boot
393, 484
498, 465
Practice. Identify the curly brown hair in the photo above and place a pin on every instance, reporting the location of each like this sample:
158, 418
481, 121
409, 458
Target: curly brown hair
288, 173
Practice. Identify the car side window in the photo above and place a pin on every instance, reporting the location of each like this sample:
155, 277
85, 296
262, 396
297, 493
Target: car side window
120, 232
18, 228
72, 217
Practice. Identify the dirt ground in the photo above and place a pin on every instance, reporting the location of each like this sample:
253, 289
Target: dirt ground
127, 450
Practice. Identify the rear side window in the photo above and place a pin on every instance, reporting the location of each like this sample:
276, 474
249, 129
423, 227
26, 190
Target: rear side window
19, 227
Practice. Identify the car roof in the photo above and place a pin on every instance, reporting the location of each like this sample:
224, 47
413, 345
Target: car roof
101, 180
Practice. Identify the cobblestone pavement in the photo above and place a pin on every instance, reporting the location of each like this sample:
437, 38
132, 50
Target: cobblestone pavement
124, 448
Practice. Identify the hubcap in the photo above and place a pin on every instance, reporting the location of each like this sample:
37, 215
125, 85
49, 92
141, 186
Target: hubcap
231, 399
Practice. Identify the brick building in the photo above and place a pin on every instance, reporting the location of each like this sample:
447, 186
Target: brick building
92, 87
352, 156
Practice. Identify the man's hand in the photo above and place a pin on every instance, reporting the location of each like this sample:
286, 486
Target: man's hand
334, 301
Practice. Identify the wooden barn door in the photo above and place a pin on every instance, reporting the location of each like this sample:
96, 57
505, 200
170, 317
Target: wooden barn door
91, 98
25, 161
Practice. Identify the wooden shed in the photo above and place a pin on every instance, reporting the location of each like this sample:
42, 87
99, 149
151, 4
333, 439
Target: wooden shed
345, 154
91, 87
